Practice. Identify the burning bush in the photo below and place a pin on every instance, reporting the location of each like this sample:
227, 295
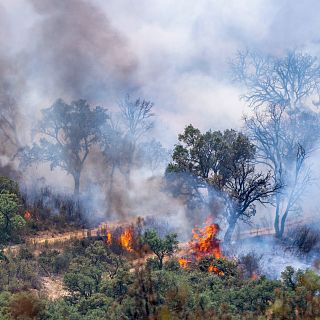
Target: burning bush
204, 241
220, 266
122, 239
203, 244
48, 208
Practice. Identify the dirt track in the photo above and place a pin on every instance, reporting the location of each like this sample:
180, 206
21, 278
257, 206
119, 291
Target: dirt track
57, 239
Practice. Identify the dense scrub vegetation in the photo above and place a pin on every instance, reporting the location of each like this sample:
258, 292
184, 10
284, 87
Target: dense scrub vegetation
100, 284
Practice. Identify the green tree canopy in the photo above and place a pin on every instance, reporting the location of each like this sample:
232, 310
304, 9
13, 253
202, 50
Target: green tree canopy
161, 247
223, 164
10, 220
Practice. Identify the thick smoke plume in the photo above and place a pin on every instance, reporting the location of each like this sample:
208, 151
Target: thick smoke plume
77, 52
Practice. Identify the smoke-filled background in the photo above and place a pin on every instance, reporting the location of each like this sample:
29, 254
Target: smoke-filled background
174, 54
177, 56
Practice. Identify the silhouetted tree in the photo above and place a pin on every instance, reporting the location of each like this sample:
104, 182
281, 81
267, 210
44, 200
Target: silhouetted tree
284, 139
240, 184
194, 162
136, 116
66, 133
153, 155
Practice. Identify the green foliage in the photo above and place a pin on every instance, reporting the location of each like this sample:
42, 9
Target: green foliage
10, 220
18, 272
161, 247
223, 162
9, 185
4, 305
53, 262
101, 285
86, 272
299, 297
60, 310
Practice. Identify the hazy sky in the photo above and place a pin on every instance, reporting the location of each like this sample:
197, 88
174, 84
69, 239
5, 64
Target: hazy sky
174, 53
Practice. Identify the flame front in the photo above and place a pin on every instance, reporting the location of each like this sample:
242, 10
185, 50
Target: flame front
109, 238
204, 241
126, 239
183, 263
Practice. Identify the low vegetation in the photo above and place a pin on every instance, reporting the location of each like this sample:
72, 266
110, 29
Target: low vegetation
100, 284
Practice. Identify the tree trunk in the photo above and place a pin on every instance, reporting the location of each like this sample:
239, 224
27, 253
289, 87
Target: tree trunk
280, 224
283, 222
160, 263
277, 219
76, 178
230, 229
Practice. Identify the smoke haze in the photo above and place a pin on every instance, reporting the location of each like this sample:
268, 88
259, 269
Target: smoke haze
174, 55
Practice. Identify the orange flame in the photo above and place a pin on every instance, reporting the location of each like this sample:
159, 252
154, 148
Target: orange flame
126, 238
109, 238
254, 276
27, 215
183, 263
214, 269
204, 241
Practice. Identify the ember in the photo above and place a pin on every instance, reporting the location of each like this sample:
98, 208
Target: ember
254, 276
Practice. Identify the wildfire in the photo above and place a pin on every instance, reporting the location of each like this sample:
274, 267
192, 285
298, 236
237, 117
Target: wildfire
126, 238
254, 276
204, 241
214, 269
27, 215
109, 238
183, 263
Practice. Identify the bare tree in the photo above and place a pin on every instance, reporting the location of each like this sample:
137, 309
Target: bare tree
284, 140
239, 182
8, 124
112, 145
283, 126
11, 84
137, 119
288, 80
